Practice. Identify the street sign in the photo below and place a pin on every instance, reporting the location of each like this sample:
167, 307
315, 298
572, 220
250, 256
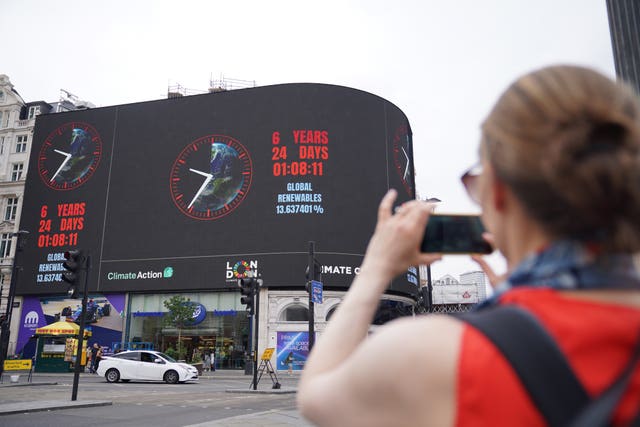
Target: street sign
17, 365
316, 292
268, 352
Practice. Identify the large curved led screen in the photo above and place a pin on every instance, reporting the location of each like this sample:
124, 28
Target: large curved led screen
192, 193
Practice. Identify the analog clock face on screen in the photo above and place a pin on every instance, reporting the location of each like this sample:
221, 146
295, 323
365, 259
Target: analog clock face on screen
210, 177
402, 158
69, 156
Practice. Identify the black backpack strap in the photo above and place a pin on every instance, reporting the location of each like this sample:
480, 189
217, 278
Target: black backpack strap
600, 411
536, 359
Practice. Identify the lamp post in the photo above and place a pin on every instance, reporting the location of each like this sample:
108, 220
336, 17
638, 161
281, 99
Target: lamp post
429, 285
6, 322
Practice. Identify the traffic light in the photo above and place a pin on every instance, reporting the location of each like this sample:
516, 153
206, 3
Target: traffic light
248, 289
73, 265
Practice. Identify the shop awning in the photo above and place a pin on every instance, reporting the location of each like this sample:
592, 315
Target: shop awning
61, 328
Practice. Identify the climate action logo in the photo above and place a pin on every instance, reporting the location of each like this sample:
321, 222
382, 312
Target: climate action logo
167, 273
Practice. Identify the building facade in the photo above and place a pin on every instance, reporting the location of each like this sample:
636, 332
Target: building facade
17, 122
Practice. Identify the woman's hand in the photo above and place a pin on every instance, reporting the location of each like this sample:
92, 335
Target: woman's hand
494, 278
395, 245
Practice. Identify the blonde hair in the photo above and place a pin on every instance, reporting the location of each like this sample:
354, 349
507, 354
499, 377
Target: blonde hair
566, 140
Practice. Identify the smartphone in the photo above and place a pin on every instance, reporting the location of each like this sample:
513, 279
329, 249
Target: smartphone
455, 234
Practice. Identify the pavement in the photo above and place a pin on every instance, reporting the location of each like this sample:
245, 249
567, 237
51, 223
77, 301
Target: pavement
48, 405
265, 418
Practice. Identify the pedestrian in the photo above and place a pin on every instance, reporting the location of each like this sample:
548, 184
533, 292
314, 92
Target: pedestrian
213, 360
96, 355
89, 354
558, 183
206, 362
288, 361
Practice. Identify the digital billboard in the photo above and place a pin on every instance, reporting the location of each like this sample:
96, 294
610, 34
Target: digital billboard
192, 193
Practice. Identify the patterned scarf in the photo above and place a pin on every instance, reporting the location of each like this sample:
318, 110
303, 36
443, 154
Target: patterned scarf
571, 265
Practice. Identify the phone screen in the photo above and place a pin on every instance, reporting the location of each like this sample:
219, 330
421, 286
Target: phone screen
461, 234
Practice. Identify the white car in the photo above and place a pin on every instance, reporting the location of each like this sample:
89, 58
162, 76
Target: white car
145, 365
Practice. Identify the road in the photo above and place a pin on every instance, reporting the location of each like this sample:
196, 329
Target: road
220, 399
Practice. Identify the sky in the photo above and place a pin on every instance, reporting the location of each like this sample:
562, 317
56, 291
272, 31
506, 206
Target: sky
443, 63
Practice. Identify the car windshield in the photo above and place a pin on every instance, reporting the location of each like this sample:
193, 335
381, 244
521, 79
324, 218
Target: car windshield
168, 358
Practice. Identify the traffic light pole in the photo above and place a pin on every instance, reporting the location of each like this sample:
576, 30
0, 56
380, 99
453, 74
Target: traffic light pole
256, 324
312, 334
83, 315
250, 291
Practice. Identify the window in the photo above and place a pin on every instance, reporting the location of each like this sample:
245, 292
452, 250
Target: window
33, 111
295, 313
1, 144
21, 143
12, 209
16, 172
1, 122
147, 357
330, 313
134, 355
5, 245
1, 95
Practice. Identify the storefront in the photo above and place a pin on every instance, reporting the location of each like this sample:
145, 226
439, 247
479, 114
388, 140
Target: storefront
220, 326
57, 346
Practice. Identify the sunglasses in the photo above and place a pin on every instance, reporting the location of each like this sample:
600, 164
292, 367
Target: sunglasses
470, 181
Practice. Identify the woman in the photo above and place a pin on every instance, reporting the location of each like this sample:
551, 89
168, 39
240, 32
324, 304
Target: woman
207, 362
98, 358
288, 361
559, 186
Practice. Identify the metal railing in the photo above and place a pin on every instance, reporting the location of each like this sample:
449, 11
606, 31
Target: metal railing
25, 123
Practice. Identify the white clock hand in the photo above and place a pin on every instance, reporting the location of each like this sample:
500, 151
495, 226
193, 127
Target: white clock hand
67, 157
202, 187
406, 169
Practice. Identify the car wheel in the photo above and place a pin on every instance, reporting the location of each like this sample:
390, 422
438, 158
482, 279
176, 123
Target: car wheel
171, 377
112, 375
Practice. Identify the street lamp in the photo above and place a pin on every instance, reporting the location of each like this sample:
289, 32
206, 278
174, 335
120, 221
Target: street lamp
6, 322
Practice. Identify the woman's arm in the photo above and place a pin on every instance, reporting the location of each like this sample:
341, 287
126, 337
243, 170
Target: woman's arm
343, 366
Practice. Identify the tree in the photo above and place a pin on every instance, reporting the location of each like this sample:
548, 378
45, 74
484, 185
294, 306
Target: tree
179, 314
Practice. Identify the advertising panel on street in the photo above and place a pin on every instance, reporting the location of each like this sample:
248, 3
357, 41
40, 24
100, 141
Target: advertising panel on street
292, 345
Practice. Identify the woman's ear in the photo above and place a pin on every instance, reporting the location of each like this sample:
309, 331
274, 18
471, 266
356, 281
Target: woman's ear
498, 196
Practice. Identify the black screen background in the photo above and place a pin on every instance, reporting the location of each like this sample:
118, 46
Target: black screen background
132, 223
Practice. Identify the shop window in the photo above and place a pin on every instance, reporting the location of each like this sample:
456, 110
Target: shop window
295, 313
